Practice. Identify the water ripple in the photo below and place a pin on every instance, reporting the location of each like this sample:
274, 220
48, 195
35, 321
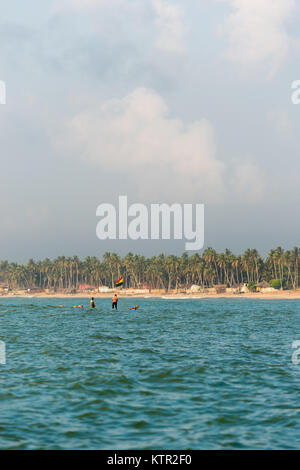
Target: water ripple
194, 374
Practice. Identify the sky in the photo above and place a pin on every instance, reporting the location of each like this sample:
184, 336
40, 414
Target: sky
165, 101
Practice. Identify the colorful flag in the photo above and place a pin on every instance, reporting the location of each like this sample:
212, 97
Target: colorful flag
120, 282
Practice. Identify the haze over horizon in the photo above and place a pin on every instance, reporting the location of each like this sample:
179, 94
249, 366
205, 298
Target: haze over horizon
161, 100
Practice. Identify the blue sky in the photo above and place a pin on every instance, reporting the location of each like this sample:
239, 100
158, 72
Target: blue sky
162, 100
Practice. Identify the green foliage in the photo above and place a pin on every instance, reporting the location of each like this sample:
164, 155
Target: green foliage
158, 272
275, 283
251, 285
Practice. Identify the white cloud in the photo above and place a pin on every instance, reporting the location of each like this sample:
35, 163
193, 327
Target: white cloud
134, 135
257, 33
165, 157
170, 25
161, 15
81, 5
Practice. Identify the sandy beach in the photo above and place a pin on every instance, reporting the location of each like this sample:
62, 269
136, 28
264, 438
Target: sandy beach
277, 295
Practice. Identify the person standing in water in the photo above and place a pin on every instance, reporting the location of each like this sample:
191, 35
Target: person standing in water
115, 302
93, 303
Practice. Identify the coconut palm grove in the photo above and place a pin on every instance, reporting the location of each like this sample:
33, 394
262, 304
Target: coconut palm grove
280, 268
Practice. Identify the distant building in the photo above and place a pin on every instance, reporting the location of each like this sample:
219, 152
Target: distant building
262, 285
220, 288
244, 289
104, 289
141, 291
195, 288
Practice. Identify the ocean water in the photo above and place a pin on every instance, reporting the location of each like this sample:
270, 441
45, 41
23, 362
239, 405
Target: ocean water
178, 374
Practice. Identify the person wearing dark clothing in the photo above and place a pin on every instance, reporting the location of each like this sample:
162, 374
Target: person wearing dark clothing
115, 302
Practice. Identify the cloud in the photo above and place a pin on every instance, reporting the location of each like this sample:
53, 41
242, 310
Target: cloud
161, 16
257, 34
135, 135
81, 5
163, 157
170, 25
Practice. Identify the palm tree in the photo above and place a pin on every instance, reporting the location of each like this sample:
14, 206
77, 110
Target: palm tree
210, 258
295, 259
168, 272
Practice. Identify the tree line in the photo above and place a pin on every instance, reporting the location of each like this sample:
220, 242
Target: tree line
158, 272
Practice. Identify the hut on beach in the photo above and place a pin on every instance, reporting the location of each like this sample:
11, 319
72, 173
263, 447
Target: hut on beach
264, 287
220, 288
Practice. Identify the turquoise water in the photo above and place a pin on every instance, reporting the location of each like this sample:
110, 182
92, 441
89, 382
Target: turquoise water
179, 374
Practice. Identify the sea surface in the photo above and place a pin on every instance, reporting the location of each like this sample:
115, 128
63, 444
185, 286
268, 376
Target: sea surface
177, 374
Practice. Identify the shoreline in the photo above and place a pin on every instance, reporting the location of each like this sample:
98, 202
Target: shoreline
280, 295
